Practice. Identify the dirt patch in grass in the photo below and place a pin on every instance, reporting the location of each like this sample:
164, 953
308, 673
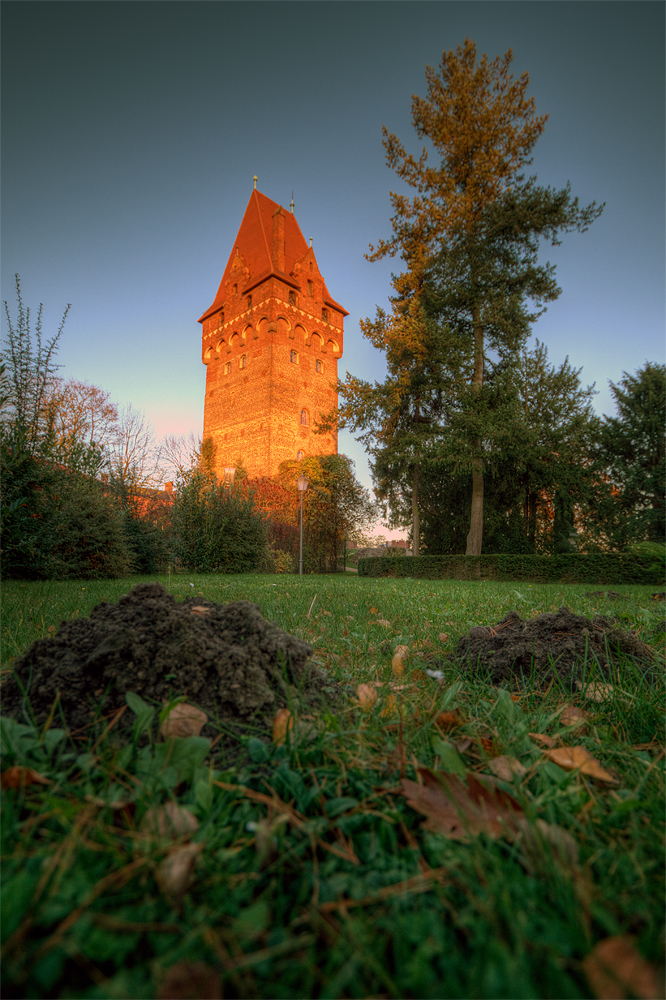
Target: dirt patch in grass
226, 658
559, 642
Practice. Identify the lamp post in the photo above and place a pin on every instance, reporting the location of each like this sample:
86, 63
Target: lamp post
302, 484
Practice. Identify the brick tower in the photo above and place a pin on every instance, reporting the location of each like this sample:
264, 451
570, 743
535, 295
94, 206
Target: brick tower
271, 342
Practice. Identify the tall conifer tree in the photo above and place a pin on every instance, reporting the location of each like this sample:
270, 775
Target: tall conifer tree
469, 239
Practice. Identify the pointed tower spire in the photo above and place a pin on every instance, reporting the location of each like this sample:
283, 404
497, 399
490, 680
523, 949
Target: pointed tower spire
255, 179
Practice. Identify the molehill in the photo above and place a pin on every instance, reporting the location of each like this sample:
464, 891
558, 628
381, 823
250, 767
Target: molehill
559, 642
226, 658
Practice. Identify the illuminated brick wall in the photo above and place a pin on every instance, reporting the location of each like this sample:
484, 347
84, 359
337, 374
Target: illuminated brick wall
271, 342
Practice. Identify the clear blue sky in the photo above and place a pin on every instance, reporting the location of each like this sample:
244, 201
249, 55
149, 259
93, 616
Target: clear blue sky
131, 133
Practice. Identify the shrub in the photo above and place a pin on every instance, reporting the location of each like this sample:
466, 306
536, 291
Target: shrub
216, 528
592, 569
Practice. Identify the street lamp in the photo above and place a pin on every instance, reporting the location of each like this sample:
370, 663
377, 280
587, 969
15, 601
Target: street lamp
302, 484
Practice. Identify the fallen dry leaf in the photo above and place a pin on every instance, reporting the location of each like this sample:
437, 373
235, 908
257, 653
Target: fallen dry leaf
199, 609
18, 777
573, 758
170, 820
546, 741
574, 716
183, 720
443, 637
487, 745
116, 805
367, 695
390, 706
374, 611
460, 810
506, 768
400, 654
190, 981
173, 872
419, 675
595, 692
449, 720
615, 969
382, 621
282, 723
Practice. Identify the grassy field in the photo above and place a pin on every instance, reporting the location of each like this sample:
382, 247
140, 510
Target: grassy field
309, 874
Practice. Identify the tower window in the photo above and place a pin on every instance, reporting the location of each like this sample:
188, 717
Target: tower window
227, 368
324, 315
243, 361
235, 289
310, 291
319, 366
292, 298
300, 455
249, 302
293, 357
304, 417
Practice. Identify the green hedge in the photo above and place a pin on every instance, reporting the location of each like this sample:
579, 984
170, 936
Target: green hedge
591, 569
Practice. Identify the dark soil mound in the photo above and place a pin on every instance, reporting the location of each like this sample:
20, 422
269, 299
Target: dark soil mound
225, 657
560, 642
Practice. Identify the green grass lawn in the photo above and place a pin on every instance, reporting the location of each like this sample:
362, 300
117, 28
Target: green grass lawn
309, 874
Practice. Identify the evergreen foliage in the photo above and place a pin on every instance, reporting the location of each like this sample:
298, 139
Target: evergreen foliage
56, 520
634, 454
606, 568
216, 526
469, 239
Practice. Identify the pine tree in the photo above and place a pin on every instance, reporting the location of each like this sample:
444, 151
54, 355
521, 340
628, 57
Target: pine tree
634, 454
469, 239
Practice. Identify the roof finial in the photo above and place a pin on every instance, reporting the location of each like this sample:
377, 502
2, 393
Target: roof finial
292, 203
310, 242
255, 182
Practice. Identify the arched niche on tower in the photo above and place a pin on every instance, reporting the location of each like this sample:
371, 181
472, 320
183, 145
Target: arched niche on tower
262, 328
317, 342
234, 341
284, 327
301, 334
333, 346
249, 333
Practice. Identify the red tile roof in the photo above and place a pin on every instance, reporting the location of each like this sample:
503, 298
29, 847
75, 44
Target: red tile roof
254, 243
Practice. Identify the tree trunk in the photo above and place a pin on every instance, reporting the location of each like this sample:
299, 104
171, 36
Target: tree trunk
416, 524
475, 536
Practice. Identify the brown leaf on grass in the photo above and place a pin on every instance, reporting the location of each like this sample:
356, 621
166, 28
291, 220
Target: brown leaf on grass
577, 757
18, 777
614, 970
282, 723
574, 716
461, 810
367, 695
595, 692
183, 720
462, 745
199, 609
190, 981
419, 675
449, 720
374, 611
170, 820
174, 872
400, 654
382, 621
443, 637
506, 768
487, 745
390, 706
543, 739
